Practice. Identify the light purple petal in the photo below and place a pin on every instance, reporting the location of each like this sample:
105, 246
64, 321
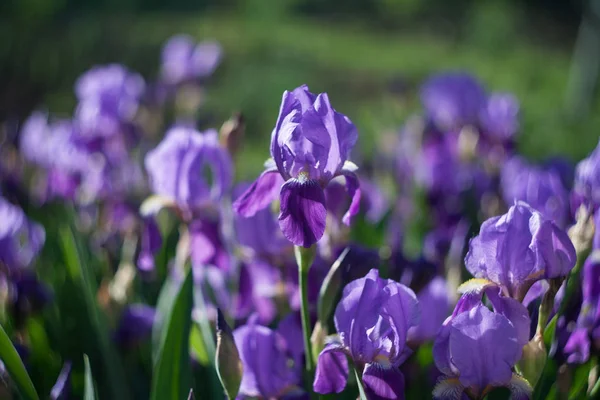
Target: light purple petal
383, 383
303, 214
260, 194
483, 347
434, 301
353, 188
515, 311
577, 347
332, 370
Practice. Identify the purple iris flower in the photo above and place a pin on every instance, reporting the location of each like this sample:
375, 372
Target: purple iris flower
185, 60
372, 320
542, 188
453, 99
476, 350
151, 242
586, 187
265, 356
135, 325
310, 146
514, 250
72, 171
20, 239
109, 98
206, 244
179, 165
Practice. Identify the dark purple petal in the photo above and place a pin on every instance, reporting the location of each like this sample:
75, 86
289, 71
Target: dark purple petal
303, 214
332, 370
578, 346
383, 383
587, 179
290, 327
135, 324
353, 188
151, 242
483, 348
260, 194
257, 289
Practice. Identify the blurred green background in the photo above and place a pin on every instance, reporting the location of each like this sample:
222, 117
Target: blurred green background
369, 55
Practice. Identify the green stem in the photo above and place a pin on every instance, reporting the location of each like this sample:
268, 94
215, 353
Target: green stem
304, 259
303, 278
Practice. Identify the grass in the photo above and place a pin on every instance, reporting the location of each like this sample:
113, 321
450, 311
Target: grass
265, 56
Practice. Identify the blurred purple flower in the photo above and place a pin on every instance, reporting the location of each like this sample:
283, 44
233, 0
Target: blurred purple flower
542, 188
259, 233
178, 166
453, 99
73, 172
151, 242
372, 320
135, 325
207, 246
435, 298
586, 186
500, 117
310, 145
514, 250
109, 98
258, 283
476, 350
184, 60
265, 355
20, 239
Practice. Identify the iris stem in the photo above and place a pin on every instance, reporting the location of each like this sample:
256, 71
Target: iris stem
304, 259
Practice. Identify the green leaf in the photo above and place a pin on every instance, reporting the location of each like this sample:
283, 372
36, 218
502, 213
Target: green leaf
172, 375
89, 389
361, 389
14, 365
93, 322
166, 298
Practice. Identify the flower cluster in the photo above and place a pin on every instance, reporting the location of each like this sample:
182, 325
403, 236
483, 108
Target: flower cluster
126, 240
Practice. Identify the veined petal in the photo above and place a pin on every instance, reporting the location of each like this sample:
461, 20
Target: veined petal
383, 383
512, 309
303, 214
332, 370
260, 194
448, 389
353, 188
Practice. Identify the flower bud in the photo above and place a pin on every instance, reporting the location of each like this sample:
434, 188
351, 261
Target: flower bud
533, 359
228, 362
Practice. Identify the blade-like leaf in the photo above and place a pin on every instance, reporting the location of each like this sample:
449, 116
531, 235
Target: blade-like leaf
14, 366
361, 389
98, 345
172, 377
89, 389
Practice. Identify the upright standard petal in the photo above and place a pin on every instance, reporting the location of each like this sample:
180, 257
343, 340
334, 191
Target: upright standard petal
260, 194
332, 370
519, 248
587, 179
303, 215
